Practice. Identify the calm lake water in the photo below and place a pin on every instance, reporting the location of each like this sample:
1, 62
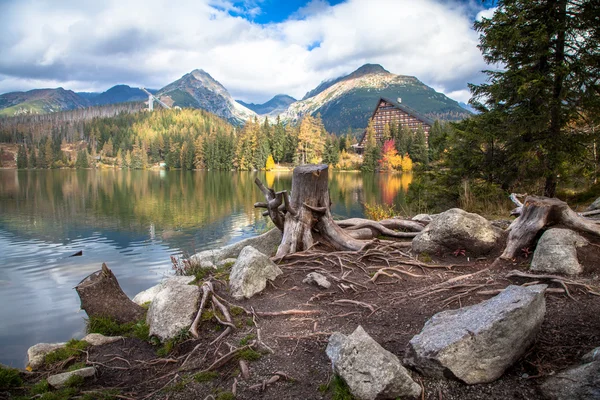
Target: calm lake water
134, 221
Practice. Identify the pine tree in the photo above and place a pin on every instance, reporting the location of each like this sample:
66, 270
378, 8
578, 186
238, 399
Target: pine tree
419, 152
32, 158
372, 153
22, 157
279, 141
1, 157
199, 152
549, 50
331, 152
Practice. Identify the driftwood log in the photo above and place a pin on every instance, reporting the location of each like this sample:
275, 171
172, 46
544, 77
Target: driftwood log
538, 213
102, 296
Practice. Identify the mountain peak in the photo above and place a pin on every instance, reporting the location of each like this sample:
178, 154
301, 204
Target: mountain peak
369, 69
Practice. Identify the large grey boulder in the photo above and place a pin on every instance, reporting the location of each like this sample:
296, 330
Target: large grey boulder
250, 272
556, 252
578, 383
370, 371
457, 229
148, 295
266, 243
172, 310
476, 344
37, 353
59, 381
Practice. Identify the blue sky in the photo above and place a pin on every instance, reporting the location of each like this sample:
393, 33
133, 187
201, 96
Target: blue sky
255, 48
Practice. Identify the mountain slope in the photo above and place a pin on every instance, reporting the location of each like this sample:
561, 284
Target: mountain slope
273, 107
40, 101
119, 94
199, 90
348, 101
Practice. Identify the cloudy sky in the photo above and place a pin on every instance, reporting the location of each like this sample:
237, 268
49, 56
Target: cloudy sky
255, 48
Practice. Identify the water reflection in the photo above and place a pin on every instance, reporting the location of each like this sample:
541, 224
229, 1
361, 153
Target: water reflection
133, 221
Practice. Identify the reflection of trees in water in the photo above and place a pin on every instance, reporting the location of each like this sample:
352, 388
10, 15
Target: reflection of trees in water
57, 201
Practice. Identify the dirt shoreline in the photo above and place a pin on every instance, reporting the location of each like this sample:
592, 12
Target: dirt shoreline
391, 310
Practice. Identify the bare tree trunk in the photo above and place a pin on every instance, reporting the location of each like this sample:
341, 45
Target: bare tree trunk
102, 296
538, 213
306, 216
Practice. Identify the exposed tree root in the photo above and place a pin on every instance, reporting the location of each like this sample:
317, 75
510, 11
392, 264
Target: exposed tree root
564, 282
208, 292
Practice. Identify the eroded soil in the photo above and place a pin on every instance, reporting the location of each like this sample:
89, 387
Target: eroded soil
391, 309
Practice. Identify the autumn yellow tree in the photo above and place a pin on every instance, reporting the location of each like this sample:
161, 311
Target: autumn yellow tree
407, 163
311, 140
390, 159
270, 164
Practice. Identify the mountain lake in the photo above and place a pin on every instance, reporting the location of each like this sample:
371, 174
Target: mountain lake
133, 221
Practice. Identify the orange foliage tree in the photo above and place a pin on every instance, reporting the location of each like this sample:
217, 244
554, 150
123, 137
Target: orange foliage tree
390, 159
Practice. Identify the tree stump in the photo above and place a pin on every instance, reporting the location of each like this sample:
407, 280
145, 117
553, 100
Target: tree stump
306, 217
102, 296
538, 213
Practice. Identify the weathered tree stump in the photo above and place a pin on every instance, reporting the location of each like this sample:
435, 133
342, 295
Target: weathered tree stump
102, 296
306, 217
538, 213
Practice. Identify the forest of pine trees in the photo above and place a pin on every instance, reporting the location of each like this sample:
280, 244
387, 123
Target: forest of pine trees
194, 139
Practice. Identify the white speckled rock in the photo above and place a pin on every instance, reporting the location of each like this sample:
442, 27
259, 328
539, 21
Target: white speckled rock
317, 279
37, 353
556, 252
250, 273
370, 371
96, 339
58, 381
172, 310
266, 243
457, 229
476, 344
148, 295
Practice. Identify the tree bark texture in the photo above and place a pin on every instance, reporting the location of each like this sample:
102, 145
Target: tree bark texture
538, 213
102, 296
305, 217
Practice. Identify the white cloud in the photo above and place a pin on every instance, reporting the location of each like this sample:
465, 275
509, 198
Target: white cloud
94, 45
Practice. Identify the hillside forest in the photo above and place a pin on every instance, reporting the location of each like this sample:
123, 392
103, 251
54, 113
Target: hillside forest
195, 139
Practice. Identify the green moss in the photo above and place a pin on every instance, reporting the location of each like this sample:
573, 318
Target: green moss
40, 388
206, 376
247, 339
101, 395
108, 327
73, 348
249, 322
249, 355
76, 366
339, 389
74, 381
64, 394
225, 396
9, 377
235, 311
170, 344
179, 386
425, 257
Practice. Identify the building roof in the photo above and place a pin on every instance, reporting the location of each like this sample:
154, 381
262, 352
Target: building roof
406, 109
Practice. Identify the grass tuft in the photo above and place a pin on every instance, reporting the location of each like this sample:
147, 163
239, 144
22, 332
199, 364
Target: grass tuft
73, 348
9, 377
205, 376
109, 327
249, 355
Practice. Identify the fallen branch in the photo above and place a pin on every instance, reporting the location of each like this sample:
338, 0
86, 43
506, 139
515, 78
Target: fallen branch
286, 312
355, 302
